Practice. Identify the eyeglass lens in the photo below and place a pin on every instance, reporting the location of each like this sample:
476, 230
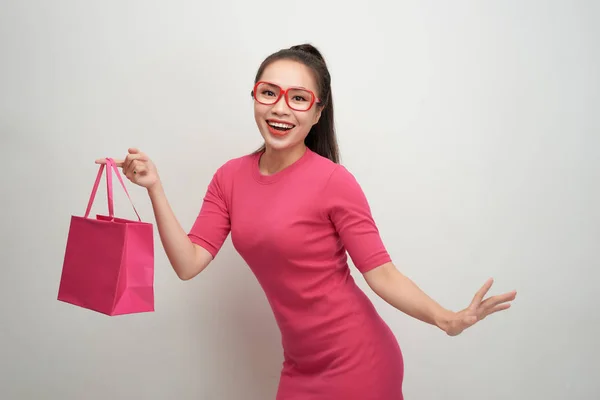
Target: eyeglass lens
298, 99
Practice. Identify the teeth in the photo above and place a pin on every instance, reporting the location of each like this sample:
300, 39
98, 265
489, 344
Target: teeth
280, 125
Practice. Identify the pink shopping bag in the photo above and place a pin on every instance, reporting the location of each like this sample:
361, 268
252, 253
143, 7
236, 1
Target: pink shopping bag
109, 262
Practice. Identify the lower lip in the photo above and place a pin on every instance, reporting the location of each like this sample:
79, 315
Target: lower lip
277, 132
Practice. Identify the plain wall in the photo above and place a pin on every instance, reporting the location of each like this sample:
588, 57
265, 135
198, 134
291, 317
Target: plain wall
472, 126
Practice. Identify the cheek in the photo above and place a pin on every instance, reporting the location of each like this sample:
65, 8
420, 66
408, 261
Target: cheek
257, 110
307, 119
260, 110
305, 122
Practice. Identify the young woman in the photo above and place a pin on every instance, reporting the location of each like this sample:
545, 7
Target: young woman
294, 213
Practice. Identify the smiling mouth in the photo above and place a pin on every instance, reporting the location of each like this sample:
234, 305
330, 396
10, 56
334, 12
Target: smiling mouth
279, 128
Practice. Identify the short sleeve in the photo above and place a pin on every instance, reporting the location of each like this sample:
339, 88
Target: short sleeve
349, 211
212, 224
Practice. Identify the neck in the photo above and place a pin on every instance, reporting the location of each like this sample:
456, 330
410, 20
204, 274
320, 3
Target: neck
273, 161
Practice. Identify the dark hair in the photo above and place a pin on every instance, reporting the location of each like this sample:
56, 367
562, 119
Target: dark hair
321, 139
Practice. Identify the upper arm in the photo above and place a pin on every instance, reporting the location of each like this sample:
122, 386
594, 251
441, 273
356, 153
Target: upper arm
212, 225
349, 211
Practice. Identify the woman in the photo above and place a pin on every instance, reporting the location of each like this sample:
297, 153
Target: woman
294, 213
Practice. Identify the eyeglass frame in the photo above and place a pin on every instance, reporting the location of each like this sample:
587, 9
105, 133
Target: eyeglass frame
283, 92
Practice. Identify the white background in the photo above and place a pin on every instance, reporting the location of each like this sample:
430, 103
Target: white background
473, 127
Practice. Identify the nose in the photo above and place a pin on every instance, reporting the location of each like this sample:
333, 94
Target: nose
281, 107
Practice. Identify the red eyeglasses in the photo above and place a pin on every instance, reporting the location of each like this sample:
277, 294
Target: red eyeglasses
298, 99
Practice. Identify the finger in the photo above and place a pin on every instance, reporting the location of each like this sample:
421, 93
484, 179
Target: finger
127, 163
482, 292
130, 159
497, 308
118, 162
139, 171
128, 169
137, 167
498, 299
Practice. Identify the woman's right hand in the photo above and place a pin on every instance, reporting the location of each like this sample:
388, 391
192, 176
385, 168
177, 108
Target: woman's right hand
138, 168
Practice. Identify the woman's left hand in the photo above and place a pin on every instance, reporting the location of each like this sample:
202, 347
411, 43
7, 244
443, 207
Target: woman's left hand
478, 309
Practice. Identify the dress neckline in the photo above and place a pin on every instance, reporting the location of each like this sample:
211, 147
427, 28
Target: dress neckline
268, 179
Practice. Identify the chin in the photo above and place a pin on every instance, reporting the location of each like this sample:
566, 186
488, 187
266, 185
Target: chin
282, 141
279, 143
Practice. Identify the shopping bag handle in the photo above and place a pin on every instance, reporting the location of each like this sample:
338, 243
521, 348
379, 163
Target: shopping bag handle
110, 164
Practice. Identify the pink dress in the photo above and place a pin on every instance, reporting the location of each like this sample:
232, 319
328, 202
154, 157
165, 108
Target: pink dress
293, 229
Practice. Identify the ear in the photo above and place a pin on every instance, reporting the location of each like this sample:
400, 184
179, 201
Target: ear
318, 115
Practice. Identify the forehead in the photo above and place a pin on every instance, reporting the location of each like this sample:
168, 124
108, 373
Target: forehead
288, 73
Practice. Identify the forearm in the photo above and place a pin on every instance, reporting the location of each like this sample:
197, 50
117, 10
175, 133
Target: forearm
181, 252
402, 293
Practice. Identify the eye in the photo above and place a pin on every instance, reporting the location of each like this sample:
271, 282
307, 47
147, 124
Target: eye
268, 93
299, 98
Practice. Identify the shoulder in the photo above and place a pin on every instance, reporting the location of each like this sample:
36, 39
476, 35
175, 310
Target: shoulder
340, 179
334, 178
339, 185
325, 169
234, 166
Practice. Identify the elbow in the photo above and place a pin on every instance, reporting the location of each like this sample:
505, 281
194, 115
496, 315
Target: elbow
189, 271
186, 274
193, 265
185, 277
